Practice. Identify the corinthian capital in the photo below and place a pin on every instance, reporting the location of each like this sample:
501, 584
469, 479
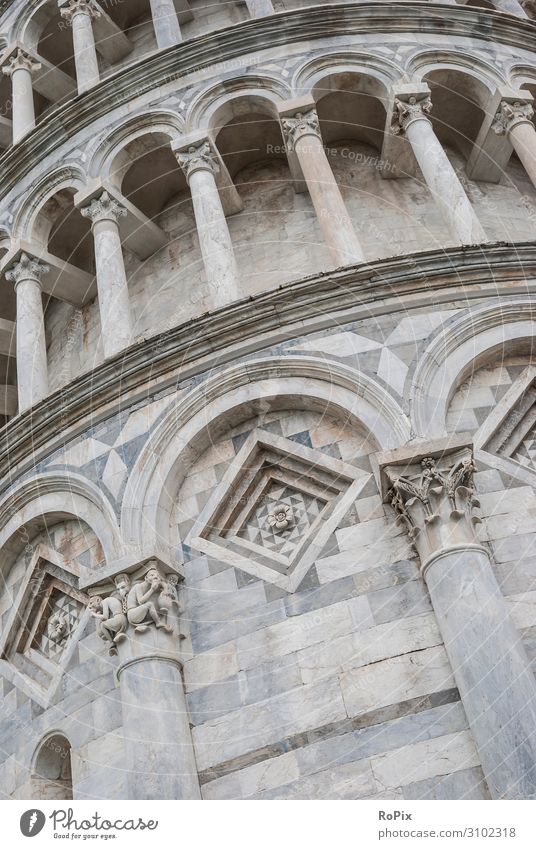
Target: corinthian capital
27, 268
435, 500
302, 124
407, 111
21, 60
80, 7
511, 114
197, 158
104, 208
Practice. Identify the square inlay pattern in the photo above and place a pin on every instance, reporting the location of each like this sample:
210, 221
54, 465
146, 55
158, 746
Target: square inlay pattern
275, 508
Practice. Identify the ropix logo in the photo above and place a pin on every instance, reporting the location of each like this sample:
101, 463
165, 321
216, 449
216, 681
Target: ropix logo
32, 822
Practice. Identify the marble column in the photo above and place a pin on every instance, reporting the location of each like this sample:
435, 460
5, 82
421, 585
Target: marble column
435, 499
20, 68
200, 167
514, 120
139, 621
411, 118
114, 304
165, 22
302, 135
32, 369
260, 8
80, 14
511, 7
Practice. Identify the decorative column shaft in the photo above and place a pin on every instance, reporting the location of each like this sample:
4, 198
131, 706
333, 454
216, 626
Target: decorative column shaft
114, 304
260, 8
514, 120
20, 68
80, 14
410, 117
200, 167
32, 370
435, 499
302, 134
166, 24
140, 622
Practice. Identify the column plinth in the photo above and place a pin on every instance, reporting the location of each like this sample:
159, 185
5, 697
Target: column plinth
32, 368
514, 120
114, 304
435, 499
302, 134
80, 14
165, 22
411, 118
200, 167
20, 68
139, 621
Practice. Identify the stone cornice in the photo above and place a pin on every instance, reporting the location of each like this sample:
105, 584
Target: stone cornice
249, 36
178, 355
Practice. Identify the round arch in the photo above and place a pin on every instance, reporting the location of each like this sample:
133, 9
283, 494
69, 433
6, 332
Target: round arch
29, 224
216, 106
317, 76
184, 432
446, 360
51, 768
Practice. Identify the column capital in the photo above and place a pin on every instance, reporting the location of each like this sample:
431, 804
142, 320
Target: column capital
139, 614
510, 114
301, 124
415, 107
69, 9
26, 268
434, 498
104, 208
20, 60
197, 158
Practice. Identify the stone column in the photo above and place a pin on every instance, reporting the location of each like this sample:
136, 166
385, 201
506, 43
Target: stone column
114, 304
20, 68
410, 117
435, 499
511, 7
514, 120
165, 22
302, 135
80, 14
200, 167
32, 370
260, 8
139, 621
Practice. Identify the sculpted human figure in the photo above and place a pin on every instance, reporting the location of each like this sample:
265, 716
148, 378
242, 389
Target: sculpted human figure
168, 595
57, 627
141, 603
111, 618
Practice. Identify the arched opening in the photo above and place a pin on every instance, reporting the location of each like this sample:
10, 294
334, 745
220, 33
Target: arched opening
52, 770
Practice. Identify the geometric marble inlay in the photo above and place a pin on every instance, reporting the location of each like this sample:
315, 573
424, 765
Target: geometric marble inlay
41, 630
275, 508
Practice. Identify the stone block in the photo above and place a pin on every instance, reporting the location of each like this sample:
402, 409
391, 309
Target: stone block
463, 784
430, 758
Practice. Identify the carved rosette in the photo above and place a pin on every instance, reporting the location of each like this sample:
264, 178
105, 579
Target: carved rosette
407, 111
435, 500
302, 124
511, 114
137, 607
21, 61
281, 518
104, 208
80, 7
27, 268
197, 158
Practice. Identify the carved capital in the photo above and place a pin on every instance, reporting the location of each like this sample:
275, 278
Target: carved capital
407, 111
104, 208
435, 500
302, 124
80, 7
21, 61
136, 607
511, 114
27, 268
197, 158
